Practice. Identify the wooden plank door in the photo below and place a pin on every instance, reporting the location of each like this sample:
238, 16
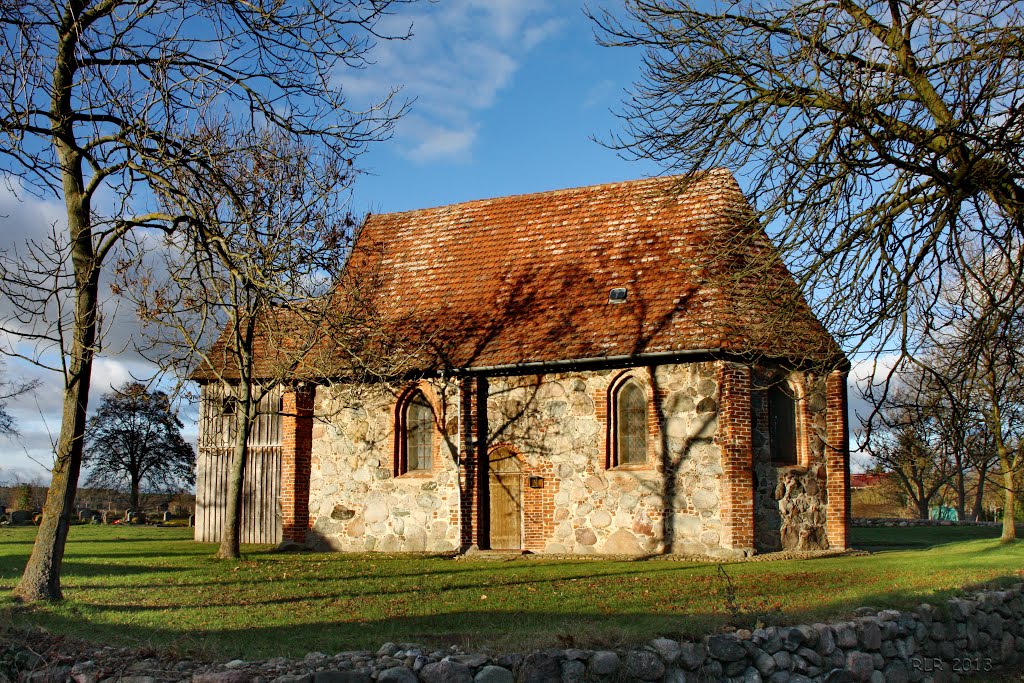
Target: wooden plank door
505, 486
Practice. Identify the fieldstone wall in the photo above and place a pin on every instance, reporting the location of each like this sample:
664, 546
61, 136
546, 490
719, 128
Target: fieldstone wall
904, 522
981, 632
978, 633
791, 502
357, 503
574, 498
558, 423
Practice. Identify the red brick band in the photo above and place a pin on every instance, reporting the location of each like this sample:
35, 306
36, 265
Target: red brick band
296, 458
737, 482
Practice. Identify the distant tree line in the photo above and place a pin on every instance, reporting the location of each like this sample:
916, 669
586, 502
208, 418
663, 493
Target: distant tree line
938, 444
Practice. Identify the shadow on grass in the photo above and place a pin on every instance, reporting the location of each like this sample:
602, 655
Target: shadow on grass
72, 570
918, 538
261, 566
1017, 543
483, 581
502, 630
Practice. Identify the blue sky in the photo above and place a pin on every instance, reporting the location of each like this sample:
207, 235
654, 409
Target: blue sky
508, 94
506, 98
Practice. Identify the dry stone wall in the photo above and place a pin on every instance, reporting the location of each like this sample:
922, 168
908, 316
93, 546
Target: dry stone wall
905, 522
978, 633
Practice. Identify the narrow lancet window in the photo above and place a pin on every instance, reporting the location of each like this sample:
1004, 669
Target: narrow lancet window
419, 434
631, 424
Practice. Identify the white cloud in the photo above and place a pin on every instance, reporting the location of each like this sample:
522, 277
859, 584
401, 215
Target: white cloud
23, 475
535, 35
436, 142
462, 55
37, 415
28, 455
605, 93
863, 373
24, 216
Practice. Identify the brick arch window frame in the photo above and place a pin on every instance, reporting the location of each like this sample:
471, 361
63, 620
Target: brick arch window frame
415, 418
624, 390
786, 423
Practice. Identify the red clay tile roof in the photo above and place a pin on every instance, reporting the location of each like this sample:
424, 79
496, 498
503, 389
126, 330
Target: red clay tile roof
527, 278
864, 480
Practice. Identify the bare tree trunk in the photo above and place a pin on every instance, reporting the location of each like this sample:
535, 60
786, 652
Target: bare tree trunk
1007, 463
134, 494
979, 494
230, 535
921, 498
41, 579
922, 508
1010, 506
960, 486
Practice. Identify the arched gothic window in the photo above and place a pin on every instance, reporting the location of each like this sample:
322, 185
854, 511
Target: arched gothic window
418, 439
630, 424
783, 428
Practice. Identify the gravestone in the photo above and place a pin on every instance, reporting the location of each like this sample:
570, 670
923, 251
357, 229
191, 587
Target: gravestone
87, 515
167, 516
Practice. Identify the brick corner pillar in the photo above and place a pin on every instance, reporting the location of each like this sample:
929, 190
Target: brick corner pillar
837, 461
296, 460
473, 407
737, 484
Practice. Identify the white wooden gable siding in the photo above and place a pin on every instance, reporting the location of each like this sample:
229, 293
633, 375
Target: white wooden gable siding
261, 515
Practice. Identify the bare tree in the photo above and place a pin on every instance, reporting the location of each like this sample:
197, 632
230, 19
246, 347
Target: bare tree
907, 433
248, 295
982, 458
966, 395
103, 104
972, 449
134, 439
876, 139
983, 342
881, 143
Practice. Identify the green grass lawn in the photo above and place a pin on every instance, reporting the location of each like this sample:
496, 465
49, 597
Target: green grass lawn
155, 587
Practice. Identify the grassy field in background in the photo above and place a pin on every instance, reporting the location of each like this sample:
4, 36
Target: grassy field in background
155, 587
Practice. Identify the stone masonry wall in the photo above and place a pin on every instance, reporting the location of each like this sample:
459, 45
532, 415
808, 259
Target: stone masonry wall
682, 500
791, 502
558, 424
357, 503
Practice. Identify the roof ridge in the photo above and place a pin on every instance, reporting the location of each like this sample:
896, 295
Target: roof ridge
709, 174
